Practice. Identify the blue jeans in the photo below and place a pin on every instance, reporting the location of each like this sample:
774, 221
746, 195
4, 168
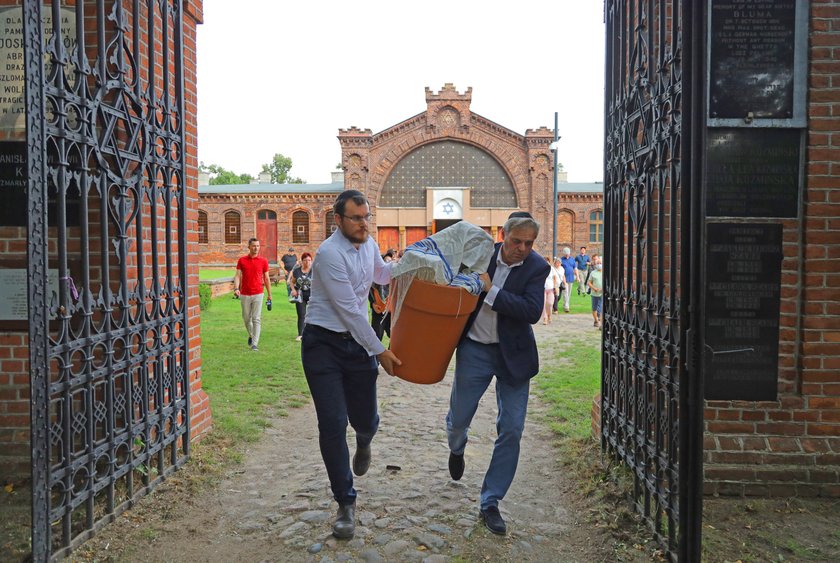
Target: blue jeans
475, 366
342, 380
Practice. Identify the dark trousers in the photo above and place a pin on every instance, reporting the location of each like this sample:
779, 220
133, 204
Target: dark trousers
342, 380
381, 323
301, 315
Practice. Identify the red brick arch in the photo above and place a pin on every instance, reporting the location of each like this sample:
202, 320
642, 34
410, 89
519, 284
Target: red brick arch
513, 159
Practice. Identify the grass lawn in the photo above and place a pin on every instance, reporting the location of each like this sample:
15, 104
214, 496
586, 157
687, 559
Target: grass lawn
246, 387
215, 273
579, 303
569, 385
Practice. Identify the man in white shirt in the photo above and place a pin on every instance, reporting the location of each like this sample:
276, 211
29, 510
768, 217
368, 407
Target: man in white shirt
339, 349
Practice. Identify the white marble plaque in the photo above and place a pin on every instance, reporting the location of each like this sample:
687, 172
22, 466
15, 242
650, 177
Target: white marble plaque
12, 73
14, 293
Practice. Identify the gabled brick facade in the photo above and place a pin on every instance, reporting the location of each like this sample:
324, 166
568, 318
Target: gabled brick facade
370, 159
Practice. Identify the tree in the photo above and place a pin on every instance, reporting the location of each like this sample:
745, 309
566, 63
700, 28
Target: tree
222, 176
279, 168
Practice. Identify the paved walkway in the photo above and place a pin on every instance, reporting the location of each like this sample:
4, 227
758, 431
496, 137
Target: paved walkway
278, 507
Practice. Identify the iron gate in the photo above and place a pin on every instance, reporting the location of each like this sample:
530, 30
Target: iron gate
651, 414
107, 259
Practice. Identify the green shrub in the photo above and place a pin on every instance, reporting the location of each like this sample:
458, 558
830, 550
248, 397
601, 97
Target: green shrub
205, 296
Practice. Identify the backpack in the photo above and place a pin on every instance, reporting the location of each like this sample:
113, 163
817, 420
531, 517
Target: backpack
378, 304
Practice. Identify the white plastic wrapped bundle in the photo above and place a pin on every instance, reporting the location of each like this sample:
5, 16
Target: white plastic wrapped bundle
454, 256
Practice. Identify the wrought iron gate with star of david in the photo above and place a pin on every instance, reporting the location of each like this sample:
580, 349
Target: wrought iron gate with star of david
651, 395
109, 339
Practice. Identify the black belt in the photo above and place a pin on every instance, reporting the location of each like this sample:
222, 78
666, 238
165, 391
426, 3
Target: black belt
342, 335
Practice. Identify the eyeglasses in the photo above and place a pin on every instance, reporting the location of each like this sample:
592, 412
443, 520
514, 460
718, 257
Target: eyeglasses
359, 219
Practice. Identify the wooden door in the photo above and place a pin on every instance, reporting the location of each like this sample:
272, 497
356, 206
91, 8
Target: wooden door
413, 234
388, 237
267, 233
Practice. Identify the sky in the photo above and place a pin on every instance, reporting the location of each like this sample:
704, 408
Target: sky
284, 77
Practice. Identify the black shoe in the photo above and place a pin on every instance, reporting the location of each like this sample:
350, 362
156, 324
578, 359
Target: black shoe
493, 520
361, 460
250, 341
456, 466
345, 521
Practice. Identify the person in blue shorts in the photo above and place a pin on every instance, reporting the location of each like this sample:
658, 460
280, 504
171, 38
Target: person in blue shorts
596, 291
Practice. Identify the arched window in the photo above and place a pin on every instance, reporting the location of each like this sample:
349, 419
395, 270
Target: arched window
300, 227
232, 230
202, 228
596, 226
329, 223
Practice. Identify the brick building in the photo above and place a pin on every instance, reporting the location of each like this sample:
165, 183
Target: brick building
421, 175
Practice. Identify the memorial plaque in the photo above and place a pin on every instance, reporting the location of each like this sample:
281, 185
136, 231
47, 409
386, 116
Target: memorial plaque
751, 59
14, 296
13, 183
12, 70
743, 290
753, 172
13, 186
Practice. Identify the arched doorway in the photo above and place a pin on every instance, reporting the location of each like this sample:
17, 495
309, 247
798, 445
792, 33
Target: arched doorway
267, 233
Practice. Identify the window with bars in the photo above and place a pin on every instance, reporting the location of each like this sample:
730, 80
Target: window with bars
232, 228
265, 214
300, 227
202, 228
596, 226
329, 223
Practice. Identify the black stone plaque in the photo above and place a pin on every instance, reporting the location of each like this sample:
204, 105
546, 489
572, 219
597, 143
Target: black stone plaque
13, 186
743, 290
13, 183
751, 63
752, 172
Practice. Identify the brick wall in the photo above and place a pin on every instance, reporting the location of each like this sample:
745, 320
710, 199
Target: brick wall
14, 353
200, 419
793, 444
14, 377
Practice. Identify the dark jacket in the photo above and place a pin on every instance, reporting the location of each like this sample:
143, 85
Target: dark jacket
518, 305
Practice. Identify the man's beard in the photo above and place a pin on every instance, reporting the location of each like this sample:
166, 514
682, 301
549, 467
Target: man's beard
355, 239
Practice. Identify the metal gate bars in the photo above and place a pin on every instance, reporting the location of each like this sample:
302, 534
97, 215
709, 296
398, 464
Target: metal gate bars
107, 259
649, 414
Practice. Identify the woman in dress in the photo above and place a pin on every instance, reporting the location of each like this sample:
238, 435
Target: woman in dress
301, 282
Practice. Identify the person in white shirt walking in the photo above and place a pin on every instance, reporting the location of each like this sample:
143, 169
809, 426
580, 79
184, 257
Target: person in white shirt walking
339, 349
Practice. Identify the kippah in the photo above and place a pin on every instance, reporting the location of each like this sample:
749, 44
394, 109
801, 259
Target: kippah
516, 214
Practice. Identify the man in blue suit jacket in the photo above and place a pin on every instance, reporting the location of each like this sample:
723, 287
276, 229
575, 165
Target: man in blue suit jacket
498, 340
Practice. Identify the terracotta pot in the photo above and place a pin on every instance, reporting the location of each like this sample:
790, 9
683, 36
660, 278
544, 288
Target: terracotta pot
428, 329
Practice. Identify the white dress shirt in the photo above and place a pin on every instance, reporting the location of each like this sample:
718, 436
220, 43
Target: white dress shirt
485, 329
341, 278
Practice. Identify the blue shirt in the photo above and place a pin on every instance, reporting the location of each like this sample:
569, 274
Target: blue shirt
341, 278
581, 260
568, 265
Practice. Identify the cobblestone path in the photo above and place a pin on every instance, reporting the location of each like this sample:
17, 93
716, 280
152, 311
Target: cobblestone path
278, 507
